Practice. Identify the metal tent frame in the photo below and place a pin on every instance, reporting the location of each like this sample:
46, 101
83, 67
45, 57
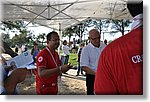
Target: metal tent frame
60, 14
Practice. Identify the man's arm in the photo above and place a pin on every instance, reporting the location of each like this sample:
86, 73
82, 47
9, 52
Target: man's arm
44, 72
84, 61
88, 70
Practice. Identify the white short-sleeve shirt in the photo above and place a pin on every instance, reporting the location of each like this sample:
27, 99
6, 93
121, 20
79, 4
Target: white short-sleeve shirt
65, 50
90, 56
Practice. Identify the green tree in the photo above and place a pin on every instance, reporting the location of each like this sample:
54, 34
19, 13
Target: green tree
20, 39
12, 26
69, 32
6, 38
119, 25
101, 25
41, 38
79, 29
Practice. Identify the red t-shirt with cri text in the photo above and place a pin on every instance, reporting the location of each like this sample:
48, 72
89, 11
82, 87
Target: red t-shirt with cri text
120, 67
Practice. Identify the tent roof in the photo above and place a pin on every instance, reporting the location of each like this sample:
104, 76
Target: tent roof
60, 14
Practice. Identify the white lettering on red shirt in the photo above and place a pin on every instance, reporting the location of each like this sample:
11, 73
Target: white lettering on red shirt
137, 58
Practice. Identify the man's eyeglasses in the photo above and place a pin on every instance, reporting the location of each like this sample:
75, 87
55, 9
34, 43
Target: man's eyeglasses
97, 38
54, 40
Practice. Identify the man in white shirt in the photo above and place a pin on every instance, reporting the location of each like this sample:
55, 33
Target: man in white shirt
89, 59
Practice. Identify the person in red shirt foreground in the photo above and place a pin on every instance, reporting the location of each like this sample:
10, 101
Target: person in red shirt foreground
120, 67
48, 67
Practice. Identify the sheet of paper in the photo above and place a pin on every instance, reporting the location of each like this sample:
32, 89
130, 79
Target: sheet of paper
22, 60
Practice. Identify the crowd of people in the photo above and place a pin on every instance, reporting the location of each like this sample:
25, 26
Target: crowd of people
115, 68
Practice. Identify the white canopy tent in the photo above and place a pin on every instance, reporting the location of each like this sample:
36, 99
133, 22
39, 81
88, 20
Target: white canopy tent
60, 14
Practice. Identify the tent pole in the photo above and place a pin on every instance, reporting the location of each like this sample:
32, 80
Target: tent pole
60, 35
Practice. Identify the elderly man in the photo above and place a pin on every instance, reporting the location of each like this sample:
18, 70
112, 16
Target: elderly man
89, 59
48, 66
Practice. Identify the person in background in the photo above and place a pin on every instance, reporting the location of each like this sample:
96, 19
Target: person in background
24, 48
89, 59
66, 52
74, 46
34, 52
120, 67
105, 42
79, 55
48, 67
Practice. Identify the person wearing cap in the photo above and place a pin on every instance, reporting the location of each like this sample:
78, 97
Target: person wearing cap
48, 67
120, 66
89, 58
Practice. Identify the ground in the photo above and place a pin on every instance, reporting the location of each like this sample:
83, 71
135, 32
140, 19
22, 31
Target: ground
70, 84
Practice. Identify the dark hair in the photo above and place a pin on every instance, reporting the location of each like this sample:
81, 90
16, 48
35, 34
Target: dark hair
105, 41
135, 7
82, 44
64, 42
35, 43
49, 35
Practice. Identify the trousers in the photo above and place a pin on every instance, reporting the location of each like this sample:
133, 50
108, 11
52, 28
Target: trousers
90, 84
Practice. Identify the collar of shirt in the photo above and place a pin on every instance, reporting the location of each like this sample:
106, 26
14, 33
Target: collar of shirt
101, 44
137, 21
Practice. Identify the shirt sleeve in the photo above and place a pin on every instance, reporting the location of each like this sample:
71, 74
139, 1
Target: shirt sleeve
84, 59
41, 60
104, 82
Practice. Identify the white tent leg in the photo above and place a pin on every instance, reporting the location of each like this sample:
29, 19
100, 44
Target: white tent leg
60, 35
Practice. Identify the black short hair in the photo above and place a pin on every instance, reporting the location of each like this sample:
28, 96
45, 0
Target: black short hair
49, 35
64, 42
135, 7
35, 43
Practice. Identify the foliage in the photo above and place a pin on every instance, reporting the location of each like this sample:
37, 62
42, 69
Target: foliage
41, 38
68, 32
82, 27
13, 25
6, 38
27, 37
120, 25
23, 37
19, 39
101, 25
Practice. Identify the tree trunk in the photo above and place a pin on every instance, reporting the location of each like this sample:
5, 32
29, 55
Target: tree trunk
122, 28
69, 40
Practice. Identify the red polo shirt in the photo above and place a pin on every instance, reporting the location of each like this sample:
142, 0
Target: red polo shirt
47, 85
120, 67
